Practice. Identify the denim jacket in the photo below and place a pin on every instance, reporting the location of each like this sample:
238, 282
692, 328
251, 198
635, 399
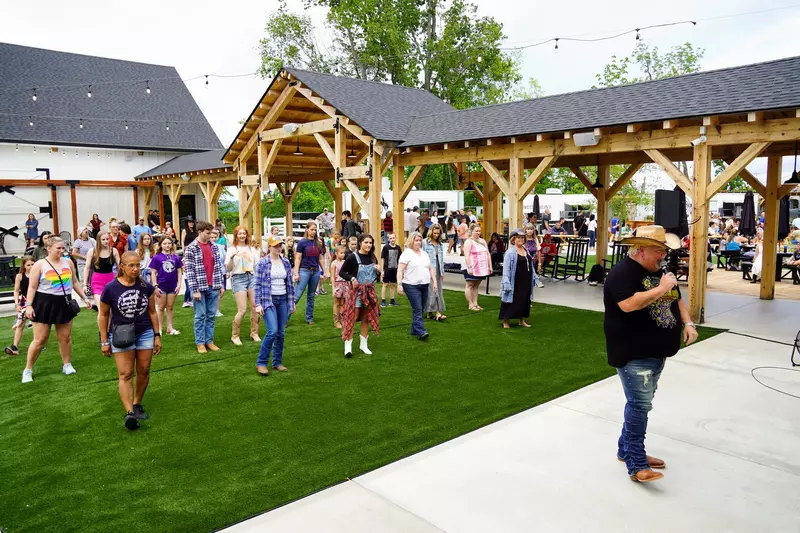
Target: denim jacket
509, 268
428, 246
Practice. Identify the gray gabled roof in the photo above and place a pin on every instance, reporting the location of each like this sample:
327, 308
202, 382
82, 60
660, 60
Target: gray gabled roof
210, 160
118, 94
757, 87
384, 111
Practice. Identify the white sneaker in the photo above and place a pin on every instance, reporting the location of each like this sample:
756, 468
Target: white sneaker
539, 285
219, 314
27, 376
68, 369
363, 346
187, 304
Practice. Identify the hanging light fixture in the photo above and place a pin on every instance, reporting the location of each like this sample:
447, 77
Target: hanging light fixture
30, 121
126, 124
80, 124
297, 150
352, 154
638, 37
556, 48
795, 178
597, 184
147, 86
89, 92
34, 97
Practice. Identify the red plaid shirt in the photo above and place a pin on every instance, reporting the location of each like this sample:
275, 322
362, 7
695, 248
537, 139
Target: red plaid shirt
369, 303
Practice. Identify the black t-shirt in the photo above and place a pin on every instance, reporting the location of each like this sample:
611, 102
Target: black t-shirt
654, 331
129, 304
390, 255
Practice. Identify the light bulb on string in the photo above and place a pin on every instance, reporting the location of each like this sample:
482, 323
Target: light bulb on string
167, 126
206, 81
126, 124
89, 92
108, 155
638, 37
556, 48
147, 86
80, 124
34, 96
76, 153
30, 121
34, 149
17, 149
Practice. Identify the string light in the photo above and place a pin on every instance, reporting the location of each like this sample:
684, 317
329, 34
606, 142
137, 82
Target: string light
81, 123
206, 81
17, 149
167, 126
557, 38
108, 155
34, 149
89, 92
126, 124
63, 153
147, 87
34, 96
30, 121
638, 37
76, 153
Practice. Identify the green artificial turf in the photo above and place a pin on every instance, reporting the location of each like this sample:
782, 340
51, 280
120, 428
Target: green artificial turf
224, 443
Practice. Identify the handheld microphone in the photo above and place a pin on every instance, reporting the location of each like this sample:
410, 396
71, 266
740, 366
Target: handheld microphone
664, 267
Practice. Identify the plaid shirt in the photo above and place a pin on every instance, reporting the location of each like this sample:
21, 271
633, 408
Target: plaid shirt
196, 272
264, 283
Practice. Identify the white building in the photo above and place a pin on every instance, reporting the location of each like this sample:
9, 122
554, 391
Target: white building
82, 127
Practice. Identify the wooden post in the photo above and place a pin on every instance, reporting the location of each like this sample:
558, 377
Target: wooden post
244, 216
489, 211
74, 201
771, 215
54, 199
375, 187
602, 214
515, 178
135, 203
699, 233
398, 214
340, 155
161, 215
338, 207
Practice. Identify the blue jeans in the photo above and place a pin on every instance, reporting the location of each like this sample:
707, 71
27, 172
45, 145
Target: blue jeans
592, 238
187, 295
275, 318
639, 382
205, 316
417, 296
310, 279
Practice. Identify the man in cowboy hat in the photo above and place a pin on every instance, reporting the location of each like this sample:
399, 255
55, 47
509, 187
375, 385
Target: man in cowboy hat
644, 315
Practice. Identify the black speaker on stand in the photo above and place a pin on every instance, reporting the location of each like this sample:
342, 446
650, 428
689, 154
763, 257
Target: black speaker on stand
668, 209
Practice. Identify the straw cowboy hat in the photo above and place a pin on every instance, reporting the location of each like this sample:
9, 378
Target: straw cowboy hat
653, 236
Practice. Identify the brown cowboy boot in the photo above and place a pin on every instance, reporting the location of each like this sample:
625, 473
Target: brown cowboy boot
254, 326
235, 333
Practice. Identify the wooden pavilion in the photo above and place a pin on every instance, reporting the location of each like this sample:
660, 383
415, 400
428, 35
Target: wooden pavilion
348, 133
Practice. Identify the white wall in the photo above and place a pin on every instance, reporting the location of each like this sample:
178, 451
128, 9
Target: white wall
19, 162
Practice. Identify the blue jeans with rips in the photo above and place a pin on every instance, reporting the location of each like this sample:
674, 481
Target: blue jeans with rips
417, 296
205, 316
639, 382
275, 318
309, 279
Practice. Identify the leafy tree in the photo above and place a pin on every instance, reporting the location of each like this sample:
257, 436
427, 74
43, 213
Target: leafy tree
526, 92
651, 65
737, 184
438, 45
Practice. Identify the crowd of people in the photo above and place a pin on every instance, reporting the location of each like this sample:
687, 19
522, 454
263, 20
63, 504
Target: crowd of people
132, 276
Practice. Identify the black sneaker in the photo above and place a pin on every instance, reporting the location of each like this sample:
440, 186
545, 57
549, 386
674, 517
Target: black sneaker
12, 350
130, 421
424, 336
383, 303
348, 355
138, 412
394, 303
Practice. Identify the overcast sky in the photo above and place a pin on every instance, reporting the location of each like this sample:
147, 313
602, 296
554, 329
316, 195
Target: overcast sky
205, 37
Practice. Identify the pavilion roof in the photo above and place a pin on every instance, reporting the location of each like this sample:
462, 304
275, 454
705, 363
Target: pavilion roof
182, 164
757, 87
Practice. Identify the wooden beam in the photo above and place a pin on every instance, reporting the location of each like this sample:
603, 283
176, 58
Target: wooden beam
534, 177
54, 200
699, 232
771, 215
622, 180
477, 192
329, 152
74, 205
398, 214
357, 195
670, 124
272, 115
497, 177
309, 128
270, 161
710, 121
751, 180
329, 186
633, 128
162, 216
375, 188
516, 175
786, 189
135, 203
411, 181
734, 168
755, 116
148, 197
603, 173
583, 179
672, 171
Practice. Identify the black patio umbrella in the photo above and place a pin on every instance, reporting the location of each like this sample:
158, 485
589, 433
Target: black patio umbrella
783, 219
747, 226
536, 207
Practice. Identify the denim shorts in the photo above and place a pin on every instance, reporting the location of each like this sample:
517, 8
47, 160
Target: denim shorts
144, 341
243, 282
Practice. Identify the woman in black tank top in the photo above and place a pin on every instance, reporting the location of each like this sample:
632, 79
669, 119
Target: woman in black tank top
20, 294
188, 234
105, 265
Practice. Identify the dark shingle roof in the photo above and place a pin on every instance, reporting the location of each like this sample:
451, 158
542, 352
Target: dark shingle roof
762, 86
57, 111
211, 160
384, 111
